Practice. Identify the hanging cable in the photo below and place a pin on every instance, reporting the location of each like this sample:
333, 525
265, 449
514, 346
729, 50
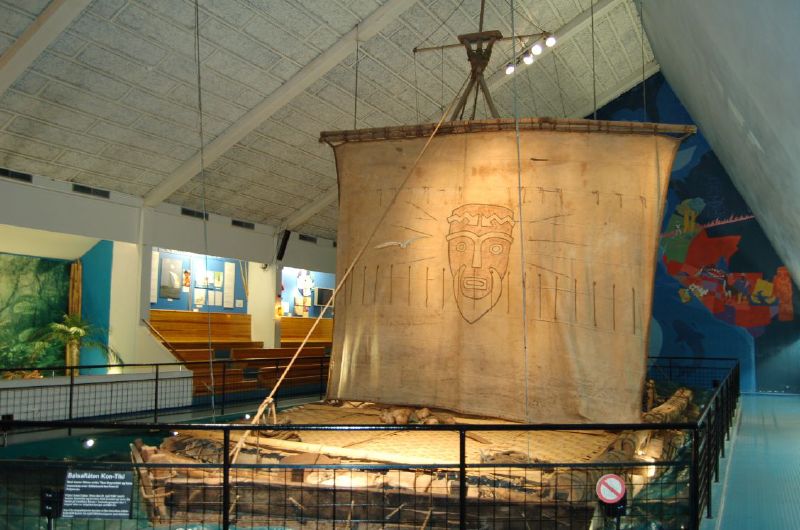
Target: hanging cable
416, 86
202, 174
355, 92
440, 26
441, 104
533, 97
558, 84
644, 87
520, 225
594, 70
269, 400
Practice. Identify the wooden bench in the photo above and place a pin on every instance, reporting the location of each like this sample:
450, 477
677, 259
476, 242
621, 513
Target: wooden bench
295, 329
272, 353
244, 372
216, 345
190, 326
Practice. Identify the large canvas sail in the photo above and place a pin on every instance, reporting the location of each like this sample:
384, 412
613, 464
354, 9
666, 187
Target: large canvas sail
502, 281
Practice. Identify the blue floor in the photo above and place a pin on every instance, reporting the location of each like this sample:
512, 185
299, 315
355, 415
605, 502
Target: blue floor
761, 489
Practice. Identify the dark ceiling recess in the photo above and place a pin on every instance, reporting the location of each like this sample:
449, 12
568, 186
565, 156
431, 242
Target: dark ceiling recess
16, 175
243, 224
306, 237
194, 213
88, 190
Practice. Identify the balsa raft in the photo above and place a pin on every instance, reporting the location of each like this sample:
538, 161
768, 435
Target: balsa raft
281, 476
489, 271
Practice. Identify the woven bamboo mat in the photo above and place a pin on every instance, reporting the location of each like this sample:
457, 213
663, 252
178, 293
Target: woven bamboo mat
546, 446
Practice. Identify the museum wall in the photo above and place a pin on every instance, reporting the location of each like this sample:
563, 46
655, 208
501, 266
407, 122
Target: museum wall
261, 303
96, 302
720, 288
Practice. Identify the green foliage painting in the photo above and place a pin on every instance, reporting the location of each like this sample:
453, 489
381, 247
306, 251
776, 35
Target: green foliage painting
33, 293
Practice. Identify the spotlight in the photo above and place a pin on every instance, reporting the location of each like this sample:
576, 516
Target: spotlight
174, 433
550, 41
527, 58
247, 416
510, 68
536, 49
88, 443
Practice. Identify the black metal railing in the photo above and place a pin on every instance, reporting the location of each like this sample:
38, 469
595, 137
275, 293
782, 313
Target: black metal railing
462, 492
152, 390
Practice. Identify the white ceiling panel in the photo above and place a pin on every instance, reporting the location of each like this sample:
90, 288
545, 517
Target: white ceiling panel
113, 101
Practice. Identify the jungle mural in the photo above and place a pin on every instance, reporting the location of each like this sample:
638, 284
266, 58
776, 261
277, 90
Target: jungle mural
720, 289
33, 293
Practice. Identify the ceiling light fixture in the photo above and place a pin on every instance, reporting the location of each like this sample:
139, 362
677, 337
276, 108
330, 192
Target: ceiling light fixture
536, 49
510, 67
527, 58
550, 41
88, 443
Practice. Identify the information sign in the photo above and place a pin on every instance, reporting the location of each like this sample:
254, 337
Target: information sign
97, 495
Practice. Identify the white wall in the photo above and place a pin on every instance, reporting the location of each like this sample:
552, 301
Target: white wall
320, 256
51, 205
126, 334
261, 302
734, 66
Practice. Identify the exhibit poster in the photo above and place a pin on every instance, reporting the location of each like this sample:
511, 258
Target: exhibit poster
199, 297
228, 285
33, 294
171, 278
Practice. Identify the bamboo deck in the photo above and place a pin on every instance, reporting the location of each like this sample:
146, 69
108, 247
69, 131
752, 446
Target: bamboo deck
314, 478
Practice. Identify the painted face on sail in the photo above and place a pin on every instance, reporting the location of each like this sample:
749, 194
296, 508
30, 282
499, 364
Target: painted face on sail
479, 244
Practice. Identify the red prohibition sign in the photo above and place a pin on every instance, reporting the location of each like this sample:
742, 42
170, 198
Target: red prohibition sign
610, 488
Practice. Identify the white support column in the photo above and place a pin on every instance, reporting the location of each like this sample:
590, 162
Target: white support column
44, 30
307, 76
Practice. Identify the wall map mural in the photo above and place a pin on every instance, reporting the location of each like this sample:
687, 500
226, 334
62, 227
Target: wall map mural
720, 289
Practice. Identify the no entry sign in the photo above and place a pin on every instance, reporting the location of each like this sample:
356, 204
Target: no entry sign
610, 488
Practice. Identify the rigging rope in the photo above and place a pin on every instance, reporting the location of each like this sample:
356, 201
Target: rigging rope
355, 92
594, 70
203, 197
269, 401
644, 87
520, 224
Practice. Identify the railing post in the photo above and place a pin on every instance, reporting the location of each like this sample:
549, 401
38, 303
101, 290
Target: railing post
462, 478
71, 396
321, 377
694, 480
155, 397
708, 471
226, 479
224, 386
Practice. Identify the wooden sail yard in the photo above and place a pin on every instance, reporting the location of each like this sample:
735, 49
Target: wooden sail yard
282, 478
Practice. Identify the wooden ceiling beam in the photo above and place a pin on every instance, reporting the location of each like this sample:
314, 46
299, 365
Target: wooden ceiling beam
40, 34
280, 97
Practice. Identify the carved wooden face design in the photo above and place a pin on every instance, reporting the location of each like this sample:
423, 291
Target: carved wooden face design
479, 243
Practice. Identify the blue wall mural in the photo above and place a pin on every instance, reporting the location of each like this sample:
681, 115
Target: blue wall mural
720, 289
96, 302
